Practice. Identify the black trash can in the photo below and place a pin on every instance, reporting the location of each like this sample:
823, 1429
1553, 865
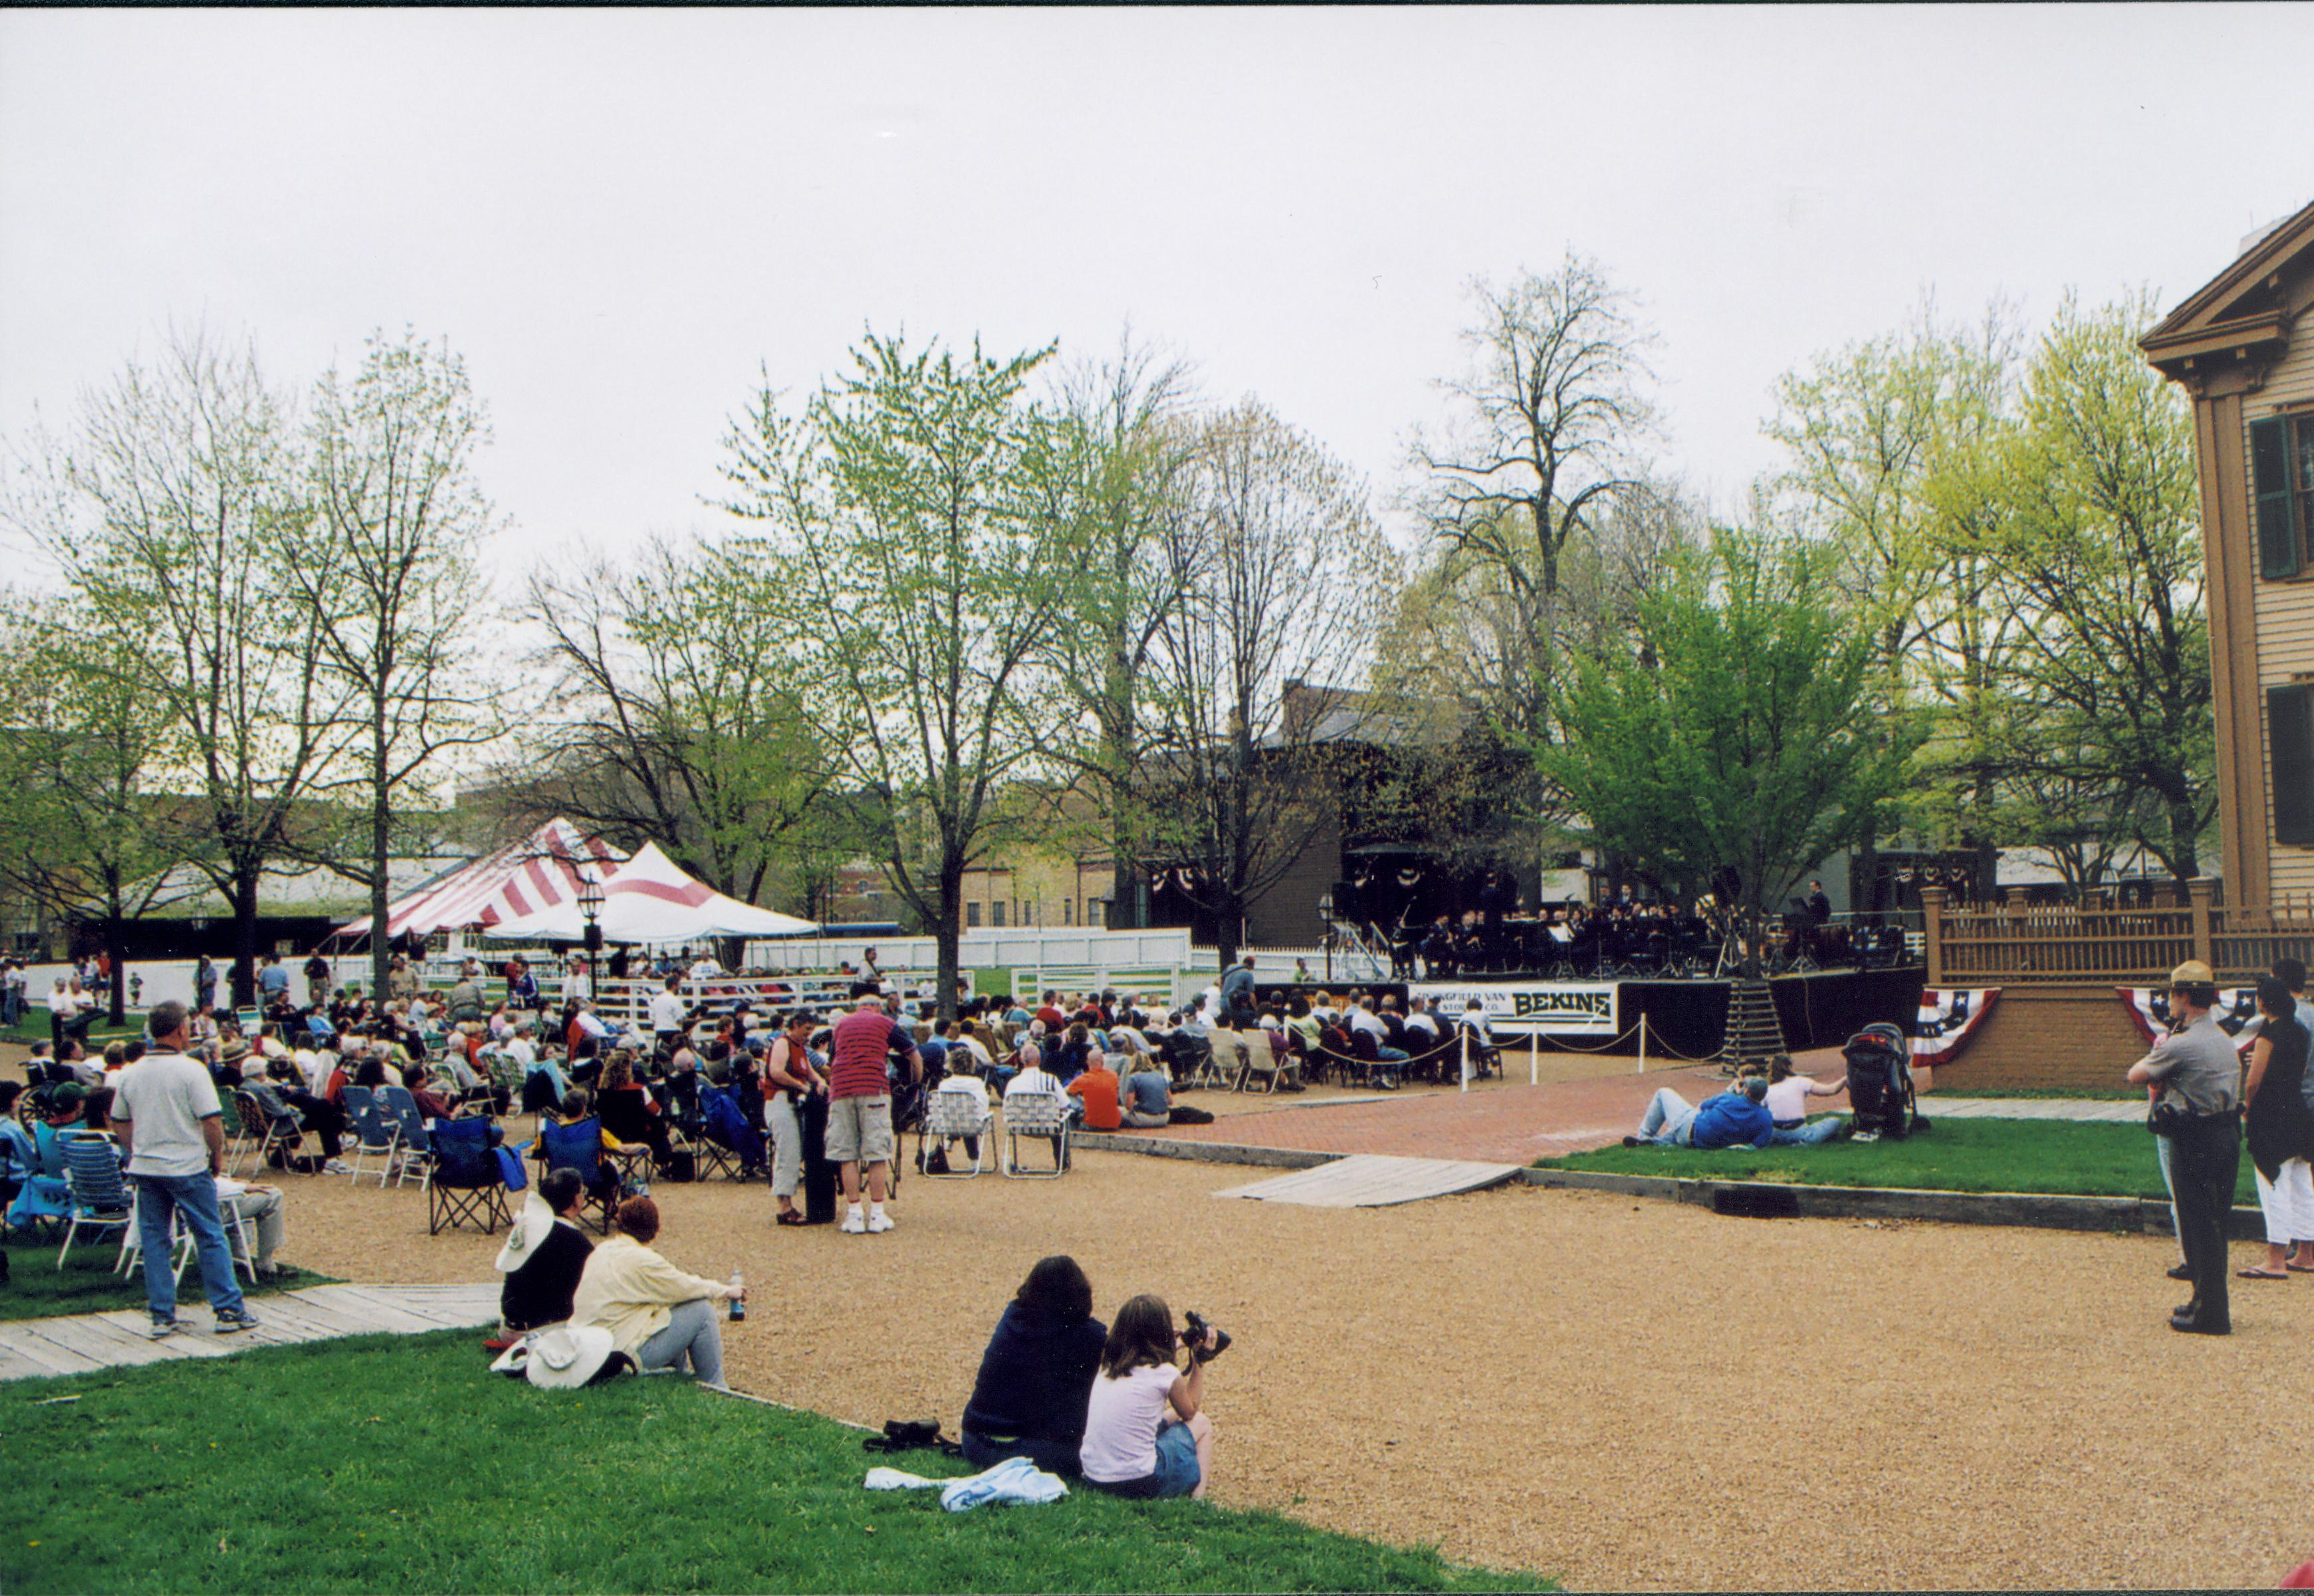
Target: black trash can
818, 1173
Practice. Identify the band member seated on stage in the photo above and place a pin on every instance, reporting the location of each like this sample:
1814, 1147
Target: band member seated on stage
1438, 951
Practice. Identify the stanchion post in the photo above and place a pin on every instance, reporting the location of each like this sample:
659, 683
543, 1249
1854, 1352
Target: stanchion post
1466, 1055
1643, 1041
1534, 1056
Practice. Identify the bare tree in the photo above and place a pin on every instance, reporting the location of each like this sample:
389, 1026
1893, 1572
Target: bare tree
388, 569
1542, 436
678, 714
1121, 455
1257, 674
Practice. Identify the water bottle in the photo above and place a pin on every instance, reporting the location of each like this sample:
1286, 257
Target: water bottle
739, 1304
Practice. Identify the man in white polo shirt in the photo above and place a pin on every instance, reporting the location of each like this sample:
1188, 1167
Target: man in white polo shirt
167, 1115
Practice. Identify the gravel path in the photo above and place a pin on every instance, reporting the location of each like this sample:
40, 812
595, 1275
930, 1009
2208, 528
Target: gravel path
1628, 1395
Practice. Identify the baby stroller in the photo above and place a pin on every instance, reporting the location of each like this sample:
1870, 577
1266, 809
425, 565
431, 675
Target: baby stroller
1880, 1084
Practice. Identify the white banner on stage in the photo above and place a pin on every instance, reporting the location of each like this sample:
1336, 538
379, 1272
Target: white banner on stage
1556, 1008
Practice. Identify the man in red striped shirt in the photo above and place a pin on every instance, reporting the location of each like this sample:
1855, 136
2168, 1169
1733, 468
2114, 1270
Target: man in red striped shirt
860, 1104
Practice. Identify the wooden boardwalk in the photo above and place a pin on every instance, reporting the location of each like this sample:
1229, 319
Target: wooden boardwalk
83, 1343
1374, 1180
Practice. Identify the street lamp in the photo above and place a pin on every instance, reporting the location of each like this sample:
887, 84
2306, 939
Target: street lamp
1326, 933
590, 908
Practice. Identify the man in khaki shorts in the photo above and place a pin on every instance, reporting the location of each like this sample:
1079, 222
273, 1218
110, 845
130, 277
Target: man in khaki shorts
860, 1104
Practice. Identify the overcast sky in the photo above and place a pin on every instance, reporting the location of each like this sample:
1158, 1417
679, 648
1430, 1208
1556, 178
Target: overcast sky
617, 216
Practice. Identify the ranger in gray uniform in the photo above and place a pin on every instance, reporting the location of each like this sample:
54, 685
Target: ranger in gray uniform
2199, 1111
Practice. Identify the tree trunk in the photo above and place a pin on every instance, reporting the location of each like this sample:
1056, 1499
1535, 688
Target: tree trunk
946, 934
244, 936
1229, 913
115, 948
381, 828
1126, 912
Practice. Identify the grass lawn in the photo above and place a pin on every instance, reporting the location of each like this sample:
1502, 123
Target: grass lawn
400, 1464
1953, 1155
37, 1289
34, 1027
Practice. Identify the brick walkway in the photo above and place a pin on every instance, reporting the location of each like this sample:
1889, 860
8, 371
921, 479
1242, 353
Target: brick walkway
1510, 1122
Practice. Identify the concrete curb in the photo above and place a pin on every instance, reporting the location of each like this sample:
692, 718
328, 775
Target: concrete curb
1753, 1198
1768, 1199
1201, 1152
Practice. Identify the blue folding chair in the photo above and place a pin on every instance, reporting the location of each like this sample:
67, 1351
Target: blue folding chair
374, 1131
416, 1141
580, 1147
463, 1177
98, 1195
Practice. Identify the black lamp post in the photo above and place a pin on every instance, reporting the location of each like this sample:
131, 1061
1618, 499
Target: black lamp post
590, 906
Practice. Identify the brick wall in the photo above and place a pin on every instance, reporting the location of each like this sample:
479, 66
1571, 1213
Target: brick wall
2047, 1036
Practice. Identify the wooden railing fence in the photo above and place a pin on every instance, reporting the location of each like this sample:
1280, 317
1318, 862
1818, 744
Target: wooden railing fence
2019, 943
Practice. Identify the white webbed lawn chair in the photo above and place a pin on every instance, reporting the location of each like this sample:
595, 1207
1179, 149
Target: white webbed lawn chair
949, 1116
1044, 1116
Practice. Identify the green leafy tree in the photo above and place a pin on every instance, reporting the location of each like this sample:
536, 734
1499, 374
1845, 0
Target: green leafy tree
388, 567
2098, 532
170, 511
79, 830
907, 535
1739, 736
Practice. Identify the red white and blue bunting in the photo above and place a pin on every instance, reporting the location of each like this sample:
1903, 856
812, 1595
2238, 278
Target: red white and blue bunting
1948, 1017
2149, 1010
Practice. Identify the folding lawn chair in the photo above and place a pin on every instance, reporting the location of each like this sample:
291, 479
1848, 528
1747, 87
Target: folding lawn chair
97, 1195
375, 1133
952, 1115
411, 1131
580, 1147
1042, 1114
463, 1177
263, 1133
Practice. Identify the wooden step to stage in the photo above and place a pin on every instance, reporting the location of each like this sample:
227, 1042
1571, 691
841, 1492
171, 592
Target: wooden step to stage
1374, 1180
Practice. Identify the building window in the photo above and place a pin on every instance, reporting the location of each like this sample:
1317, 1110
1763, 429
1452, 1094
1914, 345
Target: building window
1068, 909
1096, 912
997, 910
2282, 493
1029, 912
2290, 742
972, 916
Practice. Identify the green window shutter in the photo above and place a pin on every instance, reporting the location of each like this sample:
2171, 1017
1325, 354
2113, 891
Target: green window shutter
2270, 497
2289, 727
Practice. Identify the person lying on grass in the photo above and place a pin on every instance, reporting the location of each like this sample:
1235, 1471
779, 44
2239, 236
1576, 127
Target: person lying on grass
658, 1315
1738, 1117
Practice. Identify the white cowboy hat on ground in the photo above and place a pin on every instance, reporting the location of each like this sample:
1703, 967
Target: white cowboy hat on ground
564, 1358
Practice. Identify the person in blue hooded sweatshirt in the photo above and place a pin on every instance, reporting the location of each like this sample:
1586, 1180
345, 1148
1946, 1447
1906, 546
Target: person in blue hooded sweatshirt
1735, 1119
1037, 1375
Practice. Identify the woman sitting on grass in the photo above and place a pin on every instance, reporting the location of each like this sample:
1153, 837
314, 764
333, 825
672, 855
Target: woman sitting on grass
1037, 1374
1133, 1445
657, 1315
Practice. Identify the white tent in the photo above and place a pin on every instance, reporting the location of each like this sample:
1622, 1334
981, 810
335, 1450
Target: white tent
524, 877
649, 899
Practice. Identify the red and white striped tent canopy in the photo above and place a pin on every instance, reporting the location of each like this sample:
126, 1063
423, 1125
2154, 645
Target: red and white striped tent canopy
538, 872
652, 899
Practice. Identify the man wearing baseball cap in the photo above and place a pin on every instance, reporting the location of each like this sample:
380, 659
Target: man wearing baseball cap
2198, 1111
